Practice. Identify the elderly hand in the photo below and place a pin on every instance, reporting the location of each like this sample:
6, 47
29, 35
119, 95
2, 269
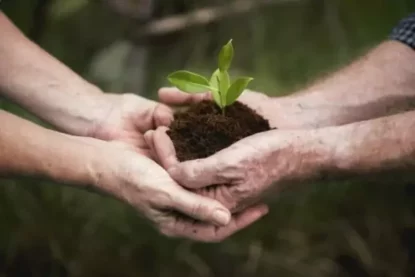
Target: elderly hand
128, 117
243, 173
147, 186
139, 181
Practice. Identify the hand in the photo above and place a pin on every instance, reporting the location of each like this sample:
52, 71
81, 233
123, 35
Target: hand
246, 171
129, 116
139, 181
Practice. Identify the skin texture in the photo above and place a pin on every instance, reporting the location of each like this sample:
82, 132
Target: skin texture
267, 163
117, 161
353, 123
378, 84
117, 169
242, 174
38, 82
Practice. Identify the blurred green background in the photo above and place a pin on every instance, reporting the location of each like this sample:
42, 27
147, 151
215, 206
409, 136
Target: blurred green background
336, 229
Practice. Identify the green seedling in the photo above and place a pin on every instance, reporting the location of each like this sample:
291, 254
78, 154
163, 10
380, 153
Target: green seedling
224, 92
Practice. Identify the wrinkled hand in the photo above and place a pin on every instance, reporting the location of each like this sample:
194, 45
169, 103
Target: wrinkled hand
163, 149
237, 176
129, 116
133, 177
245, 172
144, 184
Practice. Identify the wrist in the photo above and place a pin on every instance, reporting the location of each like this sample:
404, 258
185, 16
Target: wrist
301, 155
74, 160
284, 112
88, 111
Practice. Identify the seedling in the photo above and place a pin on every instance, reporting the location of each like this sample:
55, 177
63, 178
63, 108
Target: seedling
224, 92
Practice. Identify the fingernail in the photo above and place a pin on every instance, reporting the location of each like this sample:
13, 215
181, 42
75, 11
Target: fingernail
221, 217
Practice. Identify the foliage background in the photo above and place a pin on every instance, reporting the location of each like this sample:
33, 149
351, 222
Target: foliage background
336, 229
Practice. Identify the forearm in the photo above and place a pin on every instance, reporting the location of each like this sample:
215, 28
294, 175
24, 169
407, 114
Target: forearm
379, 84
43, 85
363, 149
371, 147
28, 149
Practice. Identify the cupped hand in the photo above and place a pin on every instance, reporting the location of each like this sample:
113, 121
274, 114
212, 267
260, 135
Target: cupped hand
175, 211
148, 187
245, 172
128, 117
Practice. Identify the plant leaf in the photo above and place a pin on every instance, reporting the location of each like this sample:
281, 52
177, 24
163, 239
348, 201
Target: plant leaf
226, 56
220, 80
236, 89
214, 83
214, 79
189, 82
224, 84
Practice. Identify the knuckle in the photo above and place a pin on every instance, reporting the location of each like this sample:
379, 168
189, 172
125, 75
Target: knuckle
167, 226
224, 195
220, 193
199, 210
191, 172
224, 169
161, 199
243, 196
242, 191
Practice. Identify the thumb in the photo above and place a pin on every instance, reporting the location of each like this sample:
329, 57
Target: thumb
198, 174
162, 115
199, 207
176, 97
163, 147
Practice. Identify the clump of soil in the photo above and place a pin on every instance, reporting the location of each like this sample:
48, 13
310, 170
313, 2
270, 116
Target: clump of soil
202, 130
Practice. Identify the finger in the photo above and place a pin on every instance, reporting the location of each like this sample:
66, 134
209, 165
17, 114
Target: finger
199, 207
163, 116
176, 97
208, 233
242, 220
196, 174
148, 138
228, 195
164, 148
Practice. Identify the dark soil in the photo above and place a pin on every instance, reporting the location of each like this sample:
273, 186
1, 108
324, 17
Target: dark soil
202, 129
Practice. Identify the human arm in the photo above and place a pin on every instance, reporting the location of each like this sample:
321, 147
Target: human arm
266, 163
43, 85
377, 84
118, 170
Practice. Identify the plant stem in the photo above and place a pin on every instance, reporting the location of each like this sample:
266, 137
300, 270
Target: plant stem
223, 111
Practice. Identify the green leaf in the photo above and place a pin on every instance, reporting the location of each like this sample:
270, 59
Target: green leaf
236, 89
189, 82
214, 79
214, 83
224, 84
221, 81
226, 56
